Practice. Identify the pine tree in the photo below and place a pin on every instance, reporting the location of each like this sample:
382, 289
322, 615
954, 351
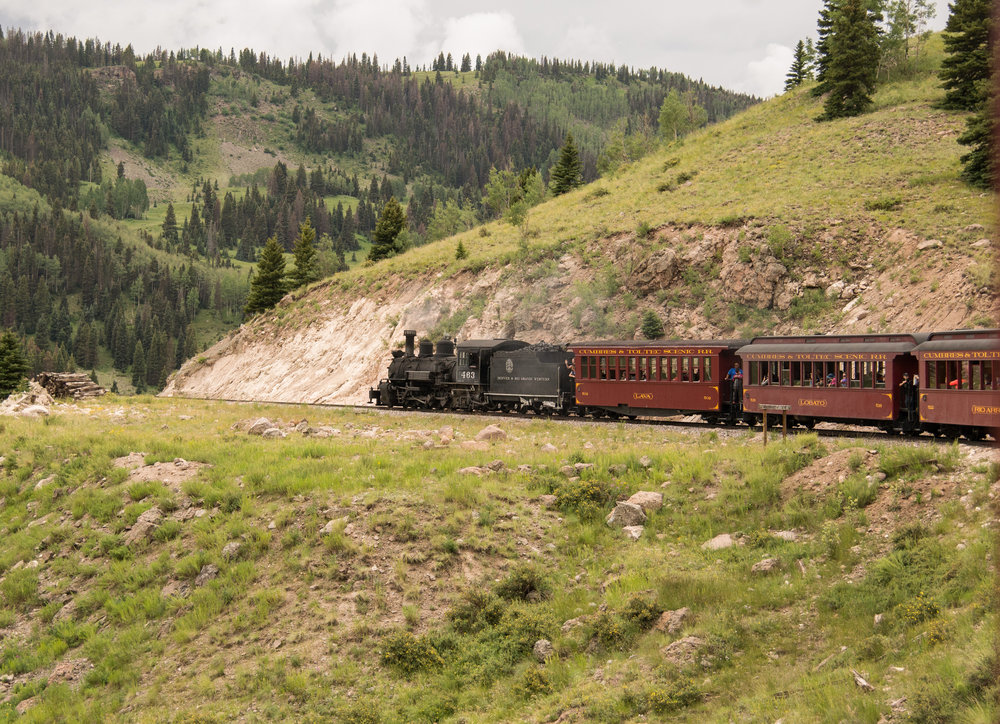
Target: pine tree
799, 72
977, 164
824, 28
853, 61
305, 271
460, 251
967, 63
652, 326
139, 368
13, 365
170, 226
268, 284
390, 222
566, 174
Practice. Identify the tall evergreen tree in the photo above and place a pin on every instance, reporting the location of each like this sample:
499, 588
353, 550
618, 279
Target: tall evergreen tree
139, 368
566, 175
13, 365
824, 28
852, 67
965, 76
965, 71
305, 271
268, 284
800, 70
390, 222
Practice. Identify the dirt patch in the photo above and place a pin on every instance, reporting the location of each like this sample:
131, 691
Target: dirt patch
170, 474
131, 461
828, 472
157, 179
70, 671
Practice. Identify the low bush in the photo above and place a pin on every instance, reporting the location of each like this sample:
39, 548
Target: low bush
408, 654
525, 583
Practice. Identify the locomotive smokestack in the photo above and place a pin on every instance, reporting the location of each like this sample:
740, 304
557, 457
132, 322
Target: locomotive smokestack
409, 335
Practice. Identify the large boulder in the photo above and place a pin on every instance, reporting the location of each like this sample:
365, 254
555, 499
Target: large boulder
259, 426
723, 540
625, 515
491, 432
647, 500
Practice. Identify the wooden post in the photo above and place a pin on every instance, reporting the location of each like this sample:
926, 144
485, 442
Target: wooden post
784, 424
765, 428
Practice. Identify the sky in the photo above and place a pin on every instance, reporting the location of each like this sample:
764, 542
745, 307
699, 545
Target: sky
743, 45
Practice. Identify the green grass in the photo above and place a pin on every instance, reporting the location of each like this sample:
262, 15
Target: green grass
433, 586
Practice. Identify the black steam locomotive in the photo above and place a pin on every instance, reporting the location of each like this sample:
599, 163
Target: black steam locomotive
479, 374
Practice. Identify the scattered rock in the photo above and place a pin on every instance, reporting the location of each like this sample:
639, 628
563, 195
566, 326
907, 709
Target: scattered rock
26, 704
208, 572
618, 470
929, 244
572, 624
35, 411
879, 618
568, 470
70, 671
44, 481
672, 622
974, 228
491, 432
259, 426
723, 540
683, 652
647, 500
982, 244
473, 470
625, 515
549, 501
145, 526
768, 565
331, 525
302, 426
496, 466
549, 448
231, 551
542, 650
634, 532
835, 290
272, 433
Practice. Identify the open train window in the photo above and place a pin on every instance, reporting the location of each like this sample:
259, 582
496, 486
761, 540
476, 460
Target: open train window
604, 367
696, 369
706, 369
643, 368
685, 369
795, 369
879, 367
989, 375
964, 377
930, 376
786, 374
975, 375
632, 368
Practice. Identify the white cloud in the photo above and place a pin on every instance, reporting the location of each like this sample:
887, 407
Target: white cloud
586, 42
767, 76
389, 28
481, 33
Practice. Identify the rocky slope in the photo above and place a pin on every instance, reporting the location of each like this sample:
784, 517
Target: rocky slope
333, 343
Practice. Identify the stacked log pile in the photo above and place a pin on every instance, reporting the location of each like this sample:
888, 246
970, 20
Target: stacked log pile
69, 384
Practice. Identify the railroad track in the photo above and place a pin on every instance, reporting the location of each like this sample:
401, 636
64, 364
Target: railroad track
773, 430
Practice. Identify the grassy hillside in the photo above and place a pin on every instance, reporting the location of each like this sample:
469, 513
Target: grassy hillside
160, 564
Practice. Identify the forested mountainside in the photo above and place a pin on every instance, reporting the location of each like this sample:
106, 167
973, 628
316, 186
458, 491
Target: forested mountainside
138, 190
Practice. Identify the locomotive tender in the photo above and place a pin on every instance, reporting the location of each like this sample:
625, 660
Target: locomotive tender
942, 383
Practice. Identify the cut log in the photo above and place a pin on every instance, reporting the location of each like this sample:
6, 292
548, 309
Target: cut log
69, 384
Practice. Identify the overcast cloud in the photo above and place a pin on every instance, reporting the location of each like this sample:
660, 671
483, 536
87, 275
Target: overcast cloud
743, 45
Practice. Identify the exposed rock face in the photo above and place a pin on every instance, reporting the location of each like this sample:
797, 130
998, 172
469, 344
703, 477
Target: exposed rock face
755, 282
683, 652
626, 514
672, 622
208, 572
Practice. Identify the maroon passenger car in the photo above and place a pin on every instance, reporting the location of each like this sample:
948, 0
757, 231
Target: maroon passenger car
848, 378
656, 378
959, 392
